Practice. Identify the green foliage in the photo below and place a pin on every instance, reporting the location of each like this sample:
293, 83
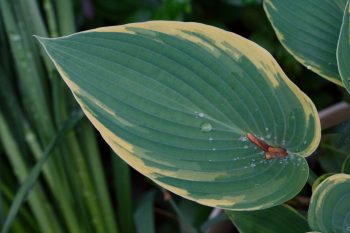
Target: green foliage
33, 175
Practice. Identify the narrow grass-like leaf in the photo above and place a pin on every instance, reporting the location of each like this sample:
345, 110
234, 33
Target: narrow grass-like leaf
343, 50
96, 171
65, 15
34, 97
329, 210
34, 174
185, 225
176, 101
273, 220
86, 183
32, 90
309, 30
25, 219
38, 202
122, 183
144, 214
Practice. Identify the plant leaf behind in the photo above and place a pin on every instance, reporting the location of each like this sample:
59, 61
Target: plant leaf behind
329, 209
277, 219
176, 101
309, 30
343, 49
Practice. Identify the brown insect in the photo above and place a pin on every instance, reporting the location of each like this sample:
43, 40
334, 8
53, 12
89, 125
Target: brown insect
270, 152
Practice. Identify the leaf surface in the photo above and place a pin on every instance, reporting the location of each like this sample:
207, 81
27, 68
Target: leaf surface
176, 101
309, 30
343, 50
329, 210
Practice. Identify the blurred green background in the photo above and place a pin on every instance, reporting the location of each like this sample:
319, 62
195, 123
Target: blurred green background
85, 187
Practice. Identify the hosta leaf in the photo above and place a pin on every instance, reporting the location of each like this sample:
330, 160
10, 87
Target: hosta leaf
273, 220
329, 210
343, 50
309, 30
320, 179
176, 100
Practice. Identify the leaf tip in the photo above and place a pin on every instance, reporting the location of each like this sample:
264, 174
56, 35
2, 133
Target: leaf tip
42, 40
45, 43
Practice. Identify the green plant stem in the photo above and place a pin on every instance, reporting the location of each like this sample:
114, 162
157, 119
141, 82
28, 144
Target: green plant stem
51, 18
65, 15
86, 184
122, 183
93, 156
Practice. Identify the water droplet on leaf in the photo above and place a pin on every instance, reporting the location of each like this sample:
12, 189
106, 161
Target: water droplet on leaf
206, 127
